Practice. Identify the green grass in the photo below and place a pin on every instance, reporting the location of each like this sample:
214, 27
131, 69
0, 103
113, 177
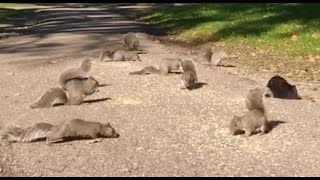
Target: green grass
6, 12
8, 5
261, 24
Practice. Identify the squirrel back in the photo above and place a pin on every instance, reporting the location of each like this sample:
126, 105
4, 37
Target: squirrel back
146, 70
80, 72
50, 97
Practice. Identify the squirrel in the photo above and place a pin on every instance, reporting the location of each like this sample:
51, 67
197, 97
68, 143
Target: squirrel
49, 98
71, 73
76, 90
130, 41
121, 55
167, 65
78, 128
189, 77
127, 52
213, 57
73, 128
146, 70
282, 89
256, 117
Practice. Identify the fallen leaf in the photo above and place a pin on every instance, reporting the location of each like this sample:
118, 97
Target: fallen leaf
294, 37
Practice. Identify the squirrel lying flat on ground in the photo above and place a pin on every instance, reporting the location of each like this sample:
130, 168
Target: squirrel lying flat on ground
121, 55
167, 65
78, 128
67, 130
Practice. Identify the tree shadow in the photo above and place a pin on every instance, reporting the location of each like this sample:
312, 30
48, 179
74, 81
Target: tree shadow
178, 18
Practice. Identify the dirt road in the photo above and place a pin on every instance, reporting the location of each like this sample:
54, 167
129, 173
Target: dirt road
164, 131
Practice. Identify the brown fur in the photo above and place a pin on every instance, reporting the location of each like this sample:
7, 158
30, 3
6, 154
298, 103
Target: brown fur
131, 41
189, 77
167, 65
78, 128
11, 134
71, 73
50, 97
256, 117
78, 89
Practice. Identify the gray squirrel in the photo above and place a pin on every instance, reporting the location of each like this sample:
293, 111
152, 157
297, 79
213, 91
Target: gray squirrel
189, 77
74, 94
79, 72
256, 117
73, 128
167, 65
213, 57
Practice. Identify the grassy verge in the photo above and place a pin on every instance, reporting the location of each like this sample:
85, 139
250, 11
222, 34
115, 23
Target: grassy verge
6, 12
287, 27
8, 5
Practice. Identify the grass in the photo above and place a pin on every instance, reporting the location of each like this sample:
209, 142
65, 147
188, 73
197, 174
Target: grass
8, 5
6, 12
260, 24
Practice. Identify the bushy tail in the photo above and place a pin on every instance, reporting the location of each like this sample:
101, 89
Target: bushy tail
255, 98
86, 65
36, 132
49, 98
10, 134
